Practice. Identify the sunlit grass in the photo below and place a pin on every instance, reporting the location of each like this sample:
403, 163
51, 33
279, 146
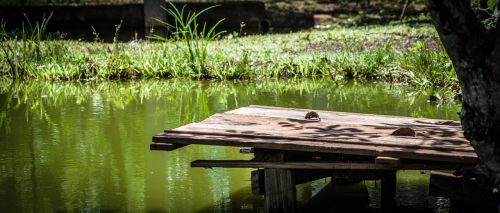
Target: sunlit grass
393, 53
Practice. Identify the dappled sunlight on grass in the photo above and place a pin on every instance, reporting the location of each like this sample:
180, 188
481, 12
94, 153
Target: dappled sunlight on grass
393, 53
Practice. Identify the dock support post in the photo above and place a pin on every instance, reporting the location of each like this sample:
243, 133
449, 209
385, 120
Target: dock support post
388, 192
280, 192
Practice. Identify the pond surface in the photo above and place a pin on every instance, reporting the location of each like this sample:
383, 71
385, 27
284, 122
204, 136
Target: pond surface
84, 147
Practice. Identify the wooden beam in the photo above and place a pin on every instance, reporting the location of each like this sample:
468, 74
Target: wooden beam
213, 130
246, 150
454, 156
319, 165
280, 192
166, 146
387, 161
288, 165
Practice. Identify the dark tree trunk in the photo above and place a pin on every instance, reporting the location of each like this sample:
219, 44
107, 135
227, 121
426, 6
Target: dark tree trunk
475, 53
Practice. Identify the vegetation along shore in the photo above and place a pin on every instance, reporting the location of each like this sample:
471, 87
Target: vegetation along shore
392, 53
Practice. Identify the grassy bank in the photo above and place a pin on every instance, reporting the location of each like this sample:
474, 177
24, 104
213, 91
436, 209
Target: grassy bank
397, 53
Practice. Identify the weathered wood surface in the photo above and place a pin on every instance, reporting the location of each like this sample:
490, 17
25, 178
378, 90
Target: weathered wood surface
337, 132
321, 165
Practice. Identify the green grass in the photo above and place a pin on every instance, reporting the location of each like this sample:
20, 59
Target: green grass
393, 53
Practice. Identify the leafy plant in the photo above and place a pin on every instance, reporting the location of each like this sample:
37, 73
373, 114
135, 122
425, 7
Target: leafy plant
429, 68
187, 30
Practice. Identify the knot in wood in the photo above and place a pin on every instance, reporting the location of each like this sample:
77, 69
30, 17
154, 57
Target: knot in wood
443, 122
404, 131
312, 115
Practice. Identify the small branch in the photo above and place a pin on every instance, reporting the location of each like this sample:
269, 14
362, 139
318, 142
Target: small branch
404, 10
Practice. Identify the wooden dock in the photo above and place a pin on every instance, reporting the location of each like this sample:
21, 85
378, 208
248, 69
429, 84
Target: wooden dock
292, 149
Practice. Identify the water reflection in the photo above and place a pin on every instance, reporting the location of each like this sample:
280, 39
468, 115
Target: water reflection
84, 146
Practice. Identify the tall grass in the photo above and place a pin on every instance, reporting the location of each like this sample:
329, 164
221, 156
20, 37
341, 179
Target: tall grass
397, 53
428, 67
194, 39
23, 50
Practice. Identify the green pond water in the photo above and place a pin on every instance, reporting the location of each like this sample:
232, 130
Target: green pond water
84, 147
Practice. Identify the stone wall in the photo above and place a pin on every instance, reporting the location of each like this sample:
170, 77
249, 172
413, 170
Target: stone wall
139, 19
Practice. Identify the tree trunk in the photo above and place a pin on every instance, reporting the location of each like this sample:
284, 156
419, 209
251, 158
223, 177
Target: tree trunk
475, 53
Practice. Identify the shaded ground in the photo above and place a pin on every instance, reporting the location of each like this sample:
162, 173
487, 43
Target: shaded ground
353, 12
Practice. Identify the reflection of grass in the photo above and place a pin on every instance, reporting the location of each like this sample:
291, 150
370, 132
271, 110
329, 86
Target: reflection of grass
378, 52
197, 100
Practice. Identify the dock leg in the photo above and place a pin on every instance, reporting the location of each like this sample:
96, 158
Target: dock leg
388, 192
280, 192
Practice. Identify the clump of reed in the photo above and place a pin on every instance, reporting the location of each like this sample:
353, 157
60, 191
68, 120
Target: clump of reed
193, 37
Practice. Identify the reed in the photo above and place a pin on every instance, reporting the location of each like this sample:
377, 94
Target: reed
195, 38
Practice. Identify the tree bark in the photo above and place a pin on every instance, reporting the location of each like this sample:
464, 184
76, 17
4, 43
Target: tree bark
475, 53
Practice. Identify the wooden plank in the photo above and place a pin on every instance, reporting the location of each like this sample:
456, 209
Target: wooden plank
368, 139
318, 165
387, 161
254, 124
165, 146
343, 133
433, 137
410, 153
360, 118
280, 192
